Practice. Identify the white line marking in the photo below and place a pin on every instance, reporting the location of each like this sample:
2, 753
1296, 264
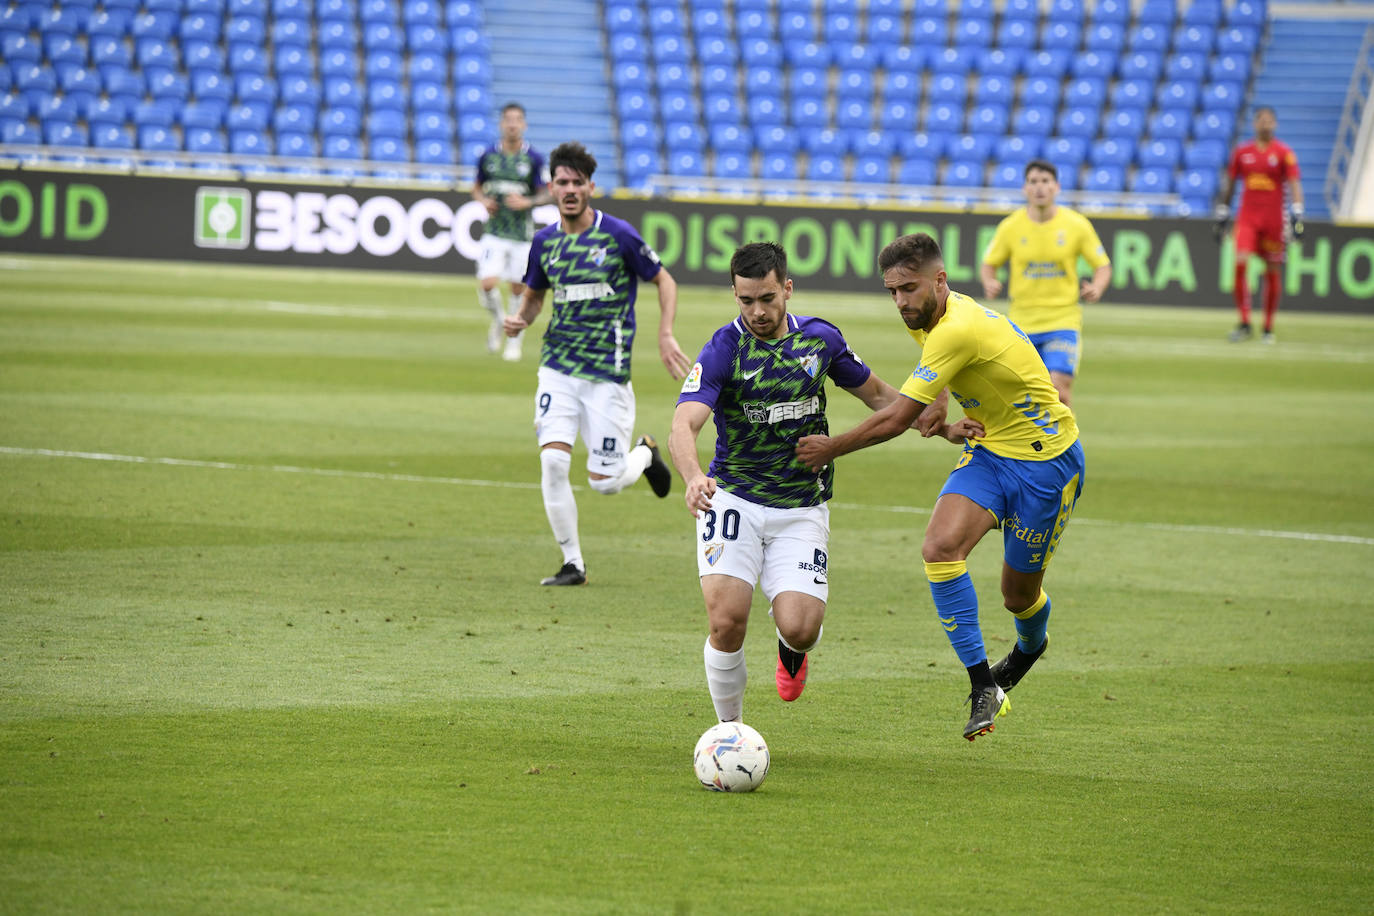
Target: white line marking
513, 485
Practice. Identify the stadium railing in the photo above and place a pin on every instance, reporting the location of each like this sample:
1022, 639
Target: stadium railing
1354, 135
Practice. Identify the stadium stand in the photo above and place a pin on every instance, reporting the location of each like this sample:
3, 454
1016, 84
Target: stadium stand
1145, 97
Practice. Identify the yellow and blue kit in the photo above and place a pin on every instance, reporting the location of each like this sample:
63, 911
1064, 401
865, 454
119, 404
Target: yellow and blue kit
1042, 281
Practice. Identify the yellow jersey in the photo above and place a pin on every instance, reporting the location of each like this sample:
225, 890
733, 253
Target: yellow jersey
1042, 282
996, 375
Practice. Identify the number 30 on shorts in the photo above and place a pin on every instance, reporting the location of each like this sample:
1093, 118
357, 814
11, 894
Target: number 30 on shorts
729, 525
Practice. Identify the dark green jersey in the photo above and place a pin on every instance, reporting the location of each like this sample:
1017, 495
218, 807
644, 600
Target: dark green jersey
500, 173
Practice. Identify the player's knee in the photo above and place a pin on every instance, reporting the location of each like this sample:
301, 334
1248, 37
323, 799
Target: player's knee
554, 465
935, 549
728, 635
606, 485
1017, 597
801, 636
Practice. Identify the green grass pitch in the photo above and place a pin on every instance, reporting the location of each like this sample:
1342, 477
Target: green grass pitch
271, 638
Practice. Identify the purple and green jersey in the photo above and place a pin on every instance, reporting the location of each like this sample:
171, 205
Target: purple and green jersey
594, 277
765, 395
501, 173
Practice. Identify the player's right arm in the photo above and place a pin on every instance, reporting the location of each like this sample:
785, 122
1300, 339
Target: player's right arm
478, 193
1221, 216
531, 304
688, 420
999, 251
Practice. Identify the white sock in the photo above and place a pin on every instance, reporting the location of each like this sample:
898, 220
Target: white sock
559, 504
726, 674
635, 462
491, 301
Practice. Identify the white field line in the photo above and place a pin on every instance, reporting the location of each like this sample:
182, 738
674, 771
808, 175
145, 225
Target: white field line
499, 484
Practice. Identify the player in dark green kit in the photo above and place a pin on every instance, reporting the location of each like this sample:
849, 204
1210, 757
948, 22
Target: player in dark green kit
510, 184
593, 262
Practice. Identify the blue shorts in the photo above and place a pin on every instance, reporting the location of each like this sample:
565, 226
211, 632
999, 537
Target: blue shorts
1031, 500
1059, 350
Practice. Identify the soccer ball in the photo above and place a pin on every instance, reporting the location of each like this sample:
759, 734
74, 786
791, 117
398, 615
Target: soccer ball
731, 757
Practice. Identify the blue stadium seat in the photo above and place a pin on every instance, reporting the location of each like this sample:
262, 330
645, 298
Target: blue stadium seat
901, 86
203, 55
808, 111
292, 59
1124, 123
110, 136
1133, 94
336, 121
154, 25
1011, 148
761, 52
468, 100
1008, 174
427, 39
434, 151
1215, 125
897, 116
930, 32
1112, 11
873, 170
1024, 10
1237, 40
956, 60
1198, 183
1194, 39
1249, 13
732, 165
884, 31
1086, 92
1016, 33
851, 84
101, 111
208, 85
337, 33
841, 27
730, 138
1066, 11
158, 139
169, 86
1148, 37
1223, 97
972, 147
247, 58
825, 168
631, 104
1033, 121
470, 42
290, 32
1040, 91
994, 90
722, 78
1160, 153
672, 76
293, 119
989, 118
246, 118
875, 143
340, 146
238, 29
943, 117
671, 49
1145, 65
1051, 63
766, 111
1078, 122
924, 145
801, 81
155, 114
919, 172
640, 163
686, 164
1100, 65
903, 59
206, 140
626, 46
1205, 154
1105, 36
716, 51
640, 134
960, 174
421, 12
1105, 178
973, 33
778, 139
629, 74
1186, 66
108, 51
154, 52
808, 54
778, 167
825, 141
683, 136
60, 49
205, 115
79, 83
252, 87
378, 11
1152, 181
948, 87
1157, 12
58, 109
1006, 62
107, 22
249, 143
679, 106
1111, 151
1204, 12
297, 145
291, 9
255, 8
1170, 124
1064, 35
1229, 68
382, 36
796, 25
387, 149
1182, 94
1067, 153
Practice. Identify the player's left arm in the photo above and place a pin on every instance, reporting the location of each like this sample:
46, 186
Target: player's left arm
1295, 207
531, 304
877, 394
668, 349
1096, 255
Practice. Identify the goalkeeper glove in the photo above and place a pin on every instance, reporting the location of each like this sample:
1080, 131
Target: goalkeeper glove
1221, 216
1295, 220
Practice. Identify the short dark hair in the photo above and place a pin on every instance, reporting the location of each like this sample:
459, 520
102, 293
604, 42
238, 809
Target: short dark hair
913, 251
1043, 165
575, 156
1263, 108
509, 105
757, 260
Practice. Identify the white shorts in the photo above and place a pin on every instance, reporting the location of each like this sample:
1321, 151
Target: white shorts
504, 258
784, 550
603, 412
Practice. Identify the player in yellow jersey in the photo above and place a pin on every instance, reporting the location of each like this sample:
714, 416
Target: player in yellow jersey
1043, 243
1021, 469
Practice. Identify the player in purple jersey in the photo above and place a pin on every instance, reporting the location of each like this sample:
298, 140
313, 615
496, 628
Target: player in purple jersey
593, 262
761, 514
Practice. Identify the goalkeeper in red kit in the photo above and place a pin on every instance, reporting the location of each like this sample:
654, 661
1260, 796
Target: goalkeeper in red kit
1263, 166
